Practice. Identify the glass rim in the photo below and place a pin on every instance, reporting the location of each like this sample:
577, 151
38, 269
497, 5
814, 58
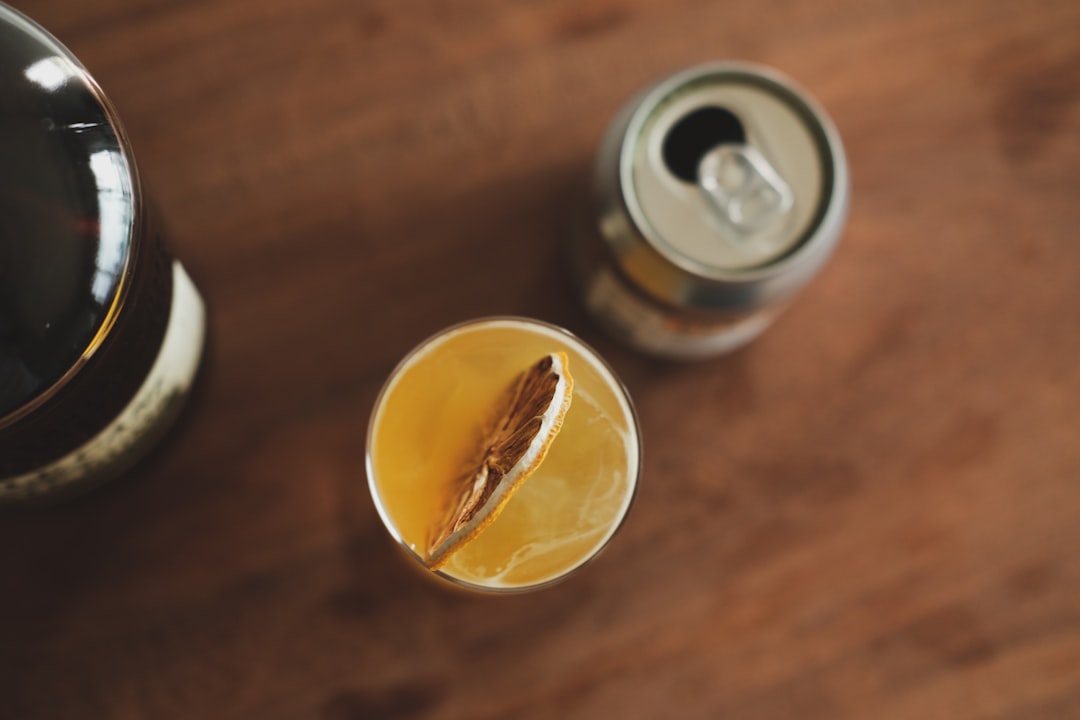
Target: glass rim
616, 384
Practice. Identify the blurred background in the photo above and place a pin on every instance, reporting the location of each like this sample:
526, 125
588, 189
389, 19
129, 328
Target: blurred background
870, 512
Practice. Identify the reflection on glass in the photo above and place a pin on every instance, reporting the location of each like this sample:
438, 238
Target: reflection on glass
50, 73
67, 207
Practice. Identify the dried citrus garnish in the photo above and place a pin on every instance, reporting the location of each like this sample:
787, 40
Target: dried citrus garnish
527, 420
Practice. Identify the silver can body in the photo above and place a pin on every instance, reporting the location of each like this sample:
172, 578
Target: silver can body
719, 192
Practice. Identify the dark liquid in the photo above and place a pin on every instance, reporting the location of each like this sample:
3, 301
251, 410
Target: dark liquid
66, 199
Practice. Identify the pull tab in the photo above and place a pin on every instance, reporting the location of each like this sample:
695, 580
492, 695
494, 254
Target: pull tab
743, 187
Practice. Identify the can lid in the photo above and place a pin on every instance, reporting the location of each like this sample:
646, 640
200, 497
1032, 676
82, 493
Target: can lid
728, 168
69, 203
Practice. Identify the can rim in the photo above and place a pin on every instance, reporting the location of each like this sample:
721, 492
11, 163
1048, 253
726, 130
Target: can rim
831, 214
124, 283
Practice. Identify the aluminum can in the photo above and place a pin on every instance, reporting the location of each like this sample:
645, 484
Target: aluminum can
718, 193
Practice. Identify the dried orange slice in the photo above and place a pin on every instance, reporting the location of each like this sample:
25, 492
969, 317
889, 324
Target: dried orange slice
529, 417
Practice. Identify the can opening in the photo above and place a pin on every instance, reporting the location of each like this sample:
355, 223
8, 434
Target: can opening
697, 133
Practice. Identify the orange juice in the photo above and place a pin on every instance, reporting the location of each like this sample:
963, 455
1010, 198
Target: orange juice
426, 424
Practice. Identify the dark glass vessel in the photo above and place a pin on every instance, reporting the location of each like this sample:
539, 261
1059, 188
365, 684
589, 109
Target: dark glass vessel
100, 331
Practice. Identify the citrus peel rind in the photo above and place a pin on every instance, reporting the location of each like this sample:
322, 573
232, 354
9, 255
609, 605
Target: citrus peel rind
529, 418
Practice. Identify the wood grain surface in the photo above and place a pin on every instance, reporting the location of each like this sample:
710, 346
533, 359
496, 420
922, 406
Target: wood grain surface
871, 512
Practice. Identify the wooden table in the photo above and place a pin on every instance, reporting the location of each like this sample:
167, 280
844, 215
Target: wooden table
871, 512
